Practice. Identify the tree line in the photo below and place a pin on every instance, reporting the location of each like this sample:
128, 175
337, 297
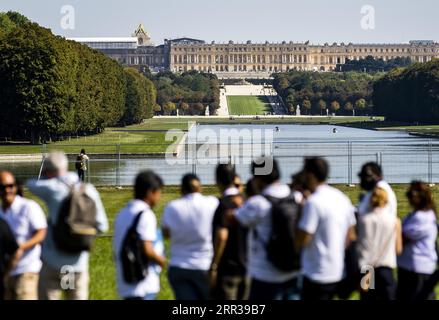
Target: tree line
50, 86
345, 93
409, 94
189, 93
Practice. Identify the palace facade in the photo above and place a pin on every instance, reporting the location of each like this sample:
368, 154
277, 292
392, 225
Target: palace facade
184, 54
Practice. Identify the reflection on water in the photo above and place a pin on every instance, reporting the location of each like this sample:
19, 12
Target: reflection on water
403, 157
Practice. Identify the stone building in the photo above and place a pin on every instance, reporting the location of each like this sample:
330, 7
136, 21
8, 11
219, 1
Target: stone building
248, 59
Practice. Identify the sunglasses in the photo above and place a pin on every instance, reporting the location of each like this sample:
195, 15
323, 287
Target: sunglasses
3, 187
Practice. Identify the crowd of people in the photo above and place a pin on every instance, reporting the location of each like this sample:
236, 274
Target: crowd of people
262, 241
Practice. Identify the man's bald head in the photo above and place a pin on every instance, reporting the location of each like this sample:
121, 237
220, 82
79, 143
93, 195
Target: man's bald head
8, 188
6, 177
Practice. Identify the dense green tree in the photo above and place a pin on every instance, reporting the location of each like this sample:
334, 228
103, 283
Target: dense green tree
169, 108
327, 86
51, 87
189, 87
410, 94
335, 106
360, 104
184, 107
322, 105
306, 104
349, 108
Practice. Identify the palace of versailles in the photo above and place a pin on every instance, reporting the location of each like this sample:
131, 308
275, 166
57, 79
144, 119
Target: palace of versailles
248, 59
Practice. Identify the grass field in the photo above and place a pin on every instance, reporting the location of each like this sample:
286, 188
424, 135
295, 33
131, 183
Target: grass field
149, 137
102, 270
248, 105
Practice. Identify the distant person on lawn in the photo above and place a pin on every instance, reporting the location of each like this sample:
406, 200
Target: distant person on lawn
81, 164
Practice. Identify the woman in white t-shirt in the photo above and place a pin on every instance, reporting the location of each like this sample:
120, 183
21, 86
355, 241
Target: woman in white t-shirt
379, 242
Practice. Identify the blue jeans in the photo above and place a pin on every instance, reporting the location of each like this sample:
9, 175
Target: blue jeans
149, 296
289, 290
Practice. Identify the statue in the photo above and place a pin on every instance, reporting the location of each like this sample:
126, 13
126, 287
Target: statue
207, 113
298, 110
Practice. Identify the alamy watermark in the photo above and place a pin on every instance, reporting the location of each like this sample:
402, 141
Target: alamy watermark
68, 278
67, 21
368, 19
206, 146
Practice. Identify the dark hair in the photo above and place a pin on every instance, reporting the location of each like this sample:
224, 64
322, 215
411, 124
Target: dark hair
298, 181
190, 183
83, 151
374, 167
318, 167
251, 188
272, 176
146, 181
225, 174
423, 192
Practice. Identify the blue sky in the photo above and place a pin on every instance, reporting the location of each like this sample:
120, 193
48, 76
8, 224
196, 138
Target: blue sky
258, 20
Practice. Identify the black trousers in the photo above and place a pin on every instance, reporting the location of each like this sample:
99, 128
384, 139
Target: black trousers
81, 174
189, 284
385, 286
313, 291
412, 286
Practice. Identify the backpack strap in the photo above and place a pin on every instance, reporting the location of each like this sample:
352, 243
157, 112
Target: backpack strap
133, 226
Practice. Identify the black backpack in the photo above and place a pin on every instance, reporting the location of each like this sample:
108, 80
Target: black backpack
76, 226
281, 251
132, 255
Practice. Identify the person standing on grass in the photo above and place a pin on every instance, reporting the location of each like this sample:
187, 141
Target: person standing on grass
379, 242
324, 230
418, 260
8, 248
28, 224
54, 188
228, 272
81, 164
147, 193
187, 222
268, 282
371, 176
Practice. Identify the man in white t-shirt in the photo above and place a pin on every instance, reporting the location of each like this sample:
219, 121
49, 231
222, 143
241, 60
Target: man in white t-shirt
325, 228
147, 194
371, 176
188, 223
28, 224
267, 281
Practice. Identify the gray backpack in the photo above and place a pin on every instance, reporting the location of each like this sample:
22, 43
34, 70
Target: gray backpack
76, 226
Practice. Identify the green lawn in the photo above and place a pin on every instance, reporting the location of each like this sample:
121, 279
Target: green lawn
248, 105
148, 137
102, 270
